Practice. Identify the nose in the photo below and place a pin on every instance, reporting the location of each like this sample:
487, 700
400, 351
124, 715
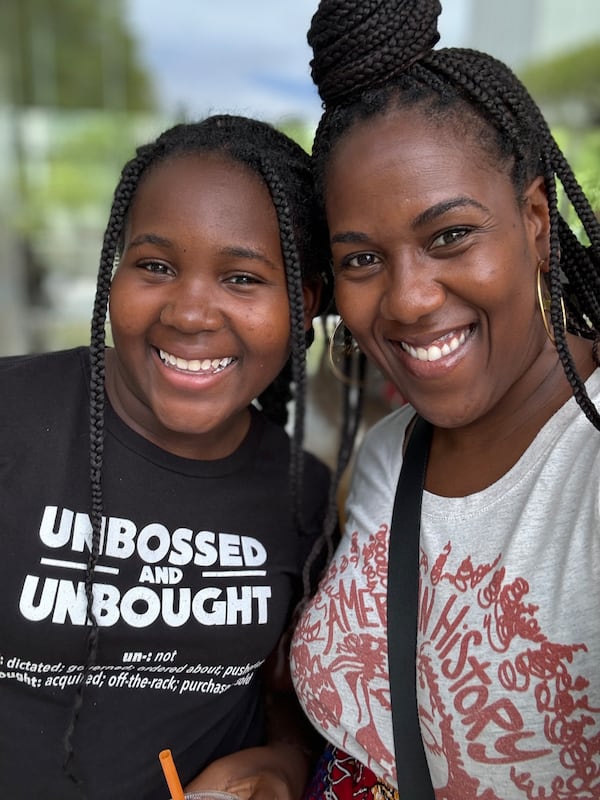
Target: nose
192, 307
412, 291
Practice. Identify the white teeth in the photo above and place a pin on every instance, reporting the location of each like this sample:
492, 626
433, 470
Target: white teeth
210, 365
435, 352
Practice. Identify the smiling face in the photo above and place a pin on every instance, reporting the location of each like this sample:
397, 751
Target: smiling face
435, 260
199, 305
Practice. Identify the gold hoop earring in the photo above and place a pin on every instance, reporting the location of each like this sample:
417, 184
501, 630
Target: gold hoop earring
544, 304
342, 349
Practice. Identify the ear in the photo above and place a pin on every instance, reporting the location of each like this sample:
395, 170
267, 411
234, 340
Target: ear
311, 293
536, 217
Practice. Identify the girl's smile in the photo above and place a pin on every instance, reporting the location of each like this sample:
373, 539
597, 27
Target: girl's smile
206, 366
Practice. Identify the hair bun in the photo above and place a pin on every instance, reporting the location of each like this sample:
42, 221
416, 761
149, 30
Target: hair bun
359, 44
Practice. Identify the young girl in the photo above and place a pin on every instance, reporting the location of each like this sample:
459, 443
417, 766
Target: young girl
458, 276
154, 520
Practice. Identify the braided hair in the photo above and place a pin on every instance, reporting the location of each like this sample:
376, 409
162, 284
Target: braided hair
373, 56
285, 169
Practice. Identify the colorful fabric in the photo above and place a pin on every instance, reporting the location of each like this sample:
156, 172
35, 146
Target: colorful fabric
339, 776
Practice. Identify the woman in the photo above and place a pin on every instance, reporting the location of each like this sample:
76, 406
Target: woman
462, 282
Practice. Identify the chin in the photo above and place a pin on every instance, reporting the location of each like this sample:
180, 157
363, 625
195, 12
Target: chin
445, 417
187, 426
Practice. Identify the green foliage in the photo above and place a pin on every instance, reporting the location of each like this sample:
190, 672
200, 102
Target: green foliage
76, 172
299, 131
572, 77
71, 54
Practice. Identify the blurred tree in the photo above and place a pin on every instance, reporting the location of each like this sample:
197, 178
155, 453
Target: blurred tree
568, 84
70, 54
79, 166
298, 130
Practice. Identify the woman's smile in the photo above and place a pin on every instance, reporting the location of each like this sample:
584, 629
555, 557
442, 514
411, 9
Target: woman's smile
441, 347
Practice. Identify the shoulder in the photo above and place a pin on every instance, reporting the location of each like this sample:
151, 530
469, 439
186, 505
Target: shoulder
378, 462
45, 380
383, 441
44, 365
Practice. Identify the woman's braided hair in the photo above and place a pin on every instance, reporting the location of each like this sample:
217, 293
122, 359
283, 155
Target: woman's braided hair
370, 56
286, 170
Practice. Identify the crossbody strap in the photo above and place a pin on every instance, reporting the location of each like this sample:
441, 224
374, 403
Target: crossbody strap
414, 781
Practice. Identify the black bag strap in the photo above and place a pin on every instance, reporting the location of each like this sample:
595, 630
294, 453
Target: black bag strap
414, 781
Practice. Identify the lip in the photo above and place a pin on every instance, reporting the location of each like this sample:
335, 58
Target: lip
197, 369
202, 365
438, 345
432, 355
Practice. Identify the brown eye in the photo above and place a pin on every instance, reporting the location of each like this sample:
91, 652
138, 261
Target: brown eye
155, 267
360, 260
450, 237
243, 279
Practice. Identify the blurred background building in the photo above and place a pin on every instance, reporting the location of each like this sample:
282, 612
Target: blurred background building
83, 82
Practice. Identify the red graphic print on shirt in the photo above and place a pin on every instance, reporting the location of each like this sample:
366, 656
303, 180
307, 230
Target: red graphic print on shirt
496, 695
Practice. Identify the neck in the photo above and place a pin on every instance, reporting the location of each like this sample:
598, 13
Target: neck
469, 459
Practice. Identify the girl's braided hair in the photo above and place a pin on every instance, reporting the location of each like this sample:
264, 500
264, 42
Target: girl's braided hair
373, 56
370, 56
286, 170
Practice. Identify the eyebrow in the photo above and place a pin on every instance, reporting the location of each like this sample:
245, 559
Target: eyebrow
349, 237
150, 238
430, 214
250, 254
439, 209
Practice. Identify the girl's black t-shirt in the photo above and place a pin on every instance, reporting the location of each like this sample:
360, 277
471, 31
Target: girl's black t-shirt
198, 570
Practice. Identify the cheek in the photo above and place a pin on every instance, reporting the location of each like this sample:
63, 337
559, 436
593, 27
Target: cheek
356, 304
509, 289
127, 317
272, 326
276, 340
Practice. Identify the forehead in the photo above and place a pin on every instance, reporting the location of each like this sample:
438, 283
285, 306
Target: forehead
415, 161
204, 189
201, 172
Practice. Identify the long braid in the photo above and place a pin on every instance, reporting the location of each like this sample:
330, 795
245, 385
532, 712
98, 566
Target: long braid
112, 235
298, 358
577, 384
483, 98
586, 283
286, 169
353, 397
